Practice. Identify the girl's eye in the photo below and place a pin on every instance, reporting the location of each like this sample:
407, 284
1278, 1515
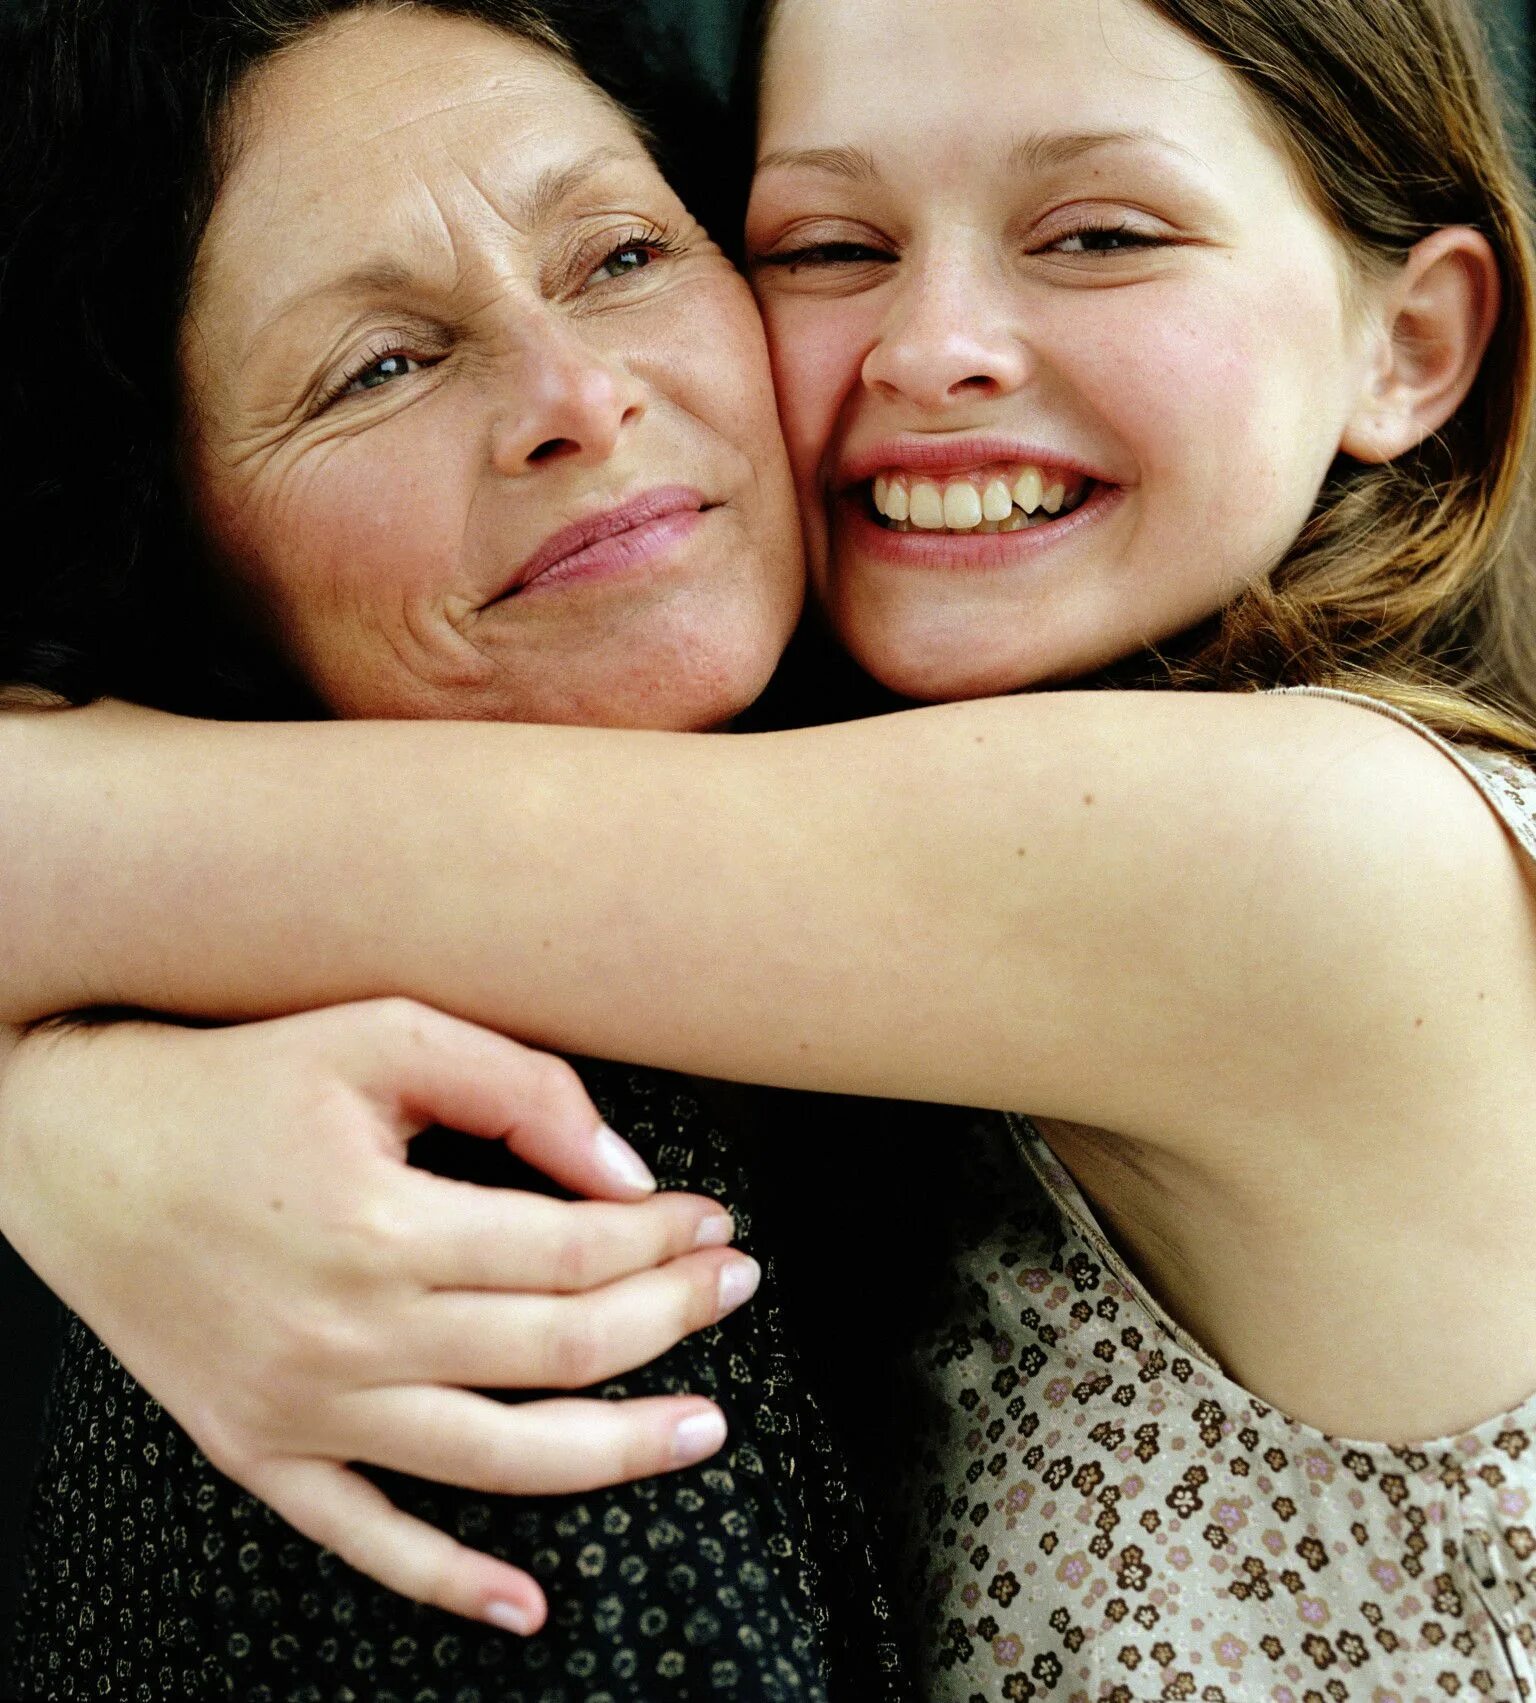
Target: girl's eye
1105, 239
824, 254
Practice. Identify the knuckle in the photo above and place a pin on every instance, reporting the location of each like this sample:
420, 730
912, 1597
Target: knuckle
223, 1442
577, 1352
434, 1583
573, 1258
413, 1021
316, 1347
642, 1448
700, 1304
402, 1561
370, 1238
555, 1081
679, 1226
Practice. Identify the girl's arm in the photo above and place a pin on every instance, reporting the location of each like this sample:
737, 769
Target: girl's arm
1149, 912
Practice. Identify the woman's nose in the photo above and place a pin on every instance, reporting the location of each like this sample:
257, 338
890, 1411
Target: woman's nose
564, 401
949, 341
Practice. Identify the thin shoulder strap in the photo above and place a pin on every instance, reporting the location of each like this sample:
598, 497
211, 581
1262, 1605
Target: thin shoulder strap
1507, 783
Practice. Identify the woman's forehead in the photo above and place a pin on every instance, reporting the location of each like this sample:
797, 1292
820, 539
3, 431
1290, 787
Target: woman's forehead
385, 140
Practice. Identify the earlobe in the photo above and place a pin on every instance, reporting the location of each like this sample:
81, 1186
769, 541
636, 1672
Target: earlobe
1437, 315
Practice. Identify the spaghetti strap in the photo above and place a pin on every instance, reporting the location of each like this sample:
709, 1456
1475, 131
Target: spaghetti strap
1505, 781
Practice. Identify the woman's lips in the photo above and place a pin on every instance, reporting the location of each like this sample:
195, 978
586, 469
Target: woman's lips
615, 541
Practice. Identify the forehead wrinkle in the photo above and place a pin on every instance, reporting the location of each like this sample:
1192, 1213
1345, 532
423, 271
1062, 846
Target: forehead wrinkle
501, 95
555, 185
382, 274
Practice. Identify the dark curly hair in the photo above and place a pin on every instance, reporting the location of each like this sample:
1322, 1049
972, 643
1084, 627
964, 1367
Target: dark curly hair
110, 160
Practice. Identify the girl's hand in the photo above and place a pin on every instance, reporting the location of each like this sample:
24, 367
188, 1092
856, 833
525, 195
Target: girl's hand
230, 1210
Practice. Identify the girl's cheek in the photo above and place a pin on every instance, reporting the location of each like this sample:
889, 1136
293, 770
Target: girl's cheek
817, 350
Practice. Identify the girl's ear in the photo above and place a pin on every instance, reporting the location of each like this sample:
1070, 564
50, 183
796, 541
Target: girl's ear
1435, 318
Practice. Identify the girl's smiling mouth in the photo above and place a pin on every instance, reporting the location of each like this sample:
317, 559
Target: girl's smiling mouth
869, 529
1002, 498
965, 501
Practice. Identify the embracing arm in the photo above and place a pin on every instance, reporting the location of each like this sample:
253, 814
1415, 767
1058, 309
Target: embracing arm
1086, 903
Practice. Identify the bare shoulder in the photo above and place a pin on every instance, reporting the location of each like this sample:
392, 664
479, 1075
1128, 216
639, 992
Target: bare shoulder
1346, 1131
1308, 915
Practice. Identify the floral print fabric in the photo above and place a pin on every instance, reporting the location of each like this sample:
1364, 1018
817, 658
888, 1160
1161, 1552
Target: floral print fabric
150, 1576
1095, 1513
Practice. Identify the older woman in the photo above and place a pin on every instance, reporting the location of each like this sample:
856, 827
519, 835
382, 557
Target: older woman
590, 520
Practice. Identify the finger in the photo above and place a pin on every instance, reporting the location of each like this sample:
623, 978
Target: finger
541, 1448
439, 1069
342, 1511
464, 1236
571, 1342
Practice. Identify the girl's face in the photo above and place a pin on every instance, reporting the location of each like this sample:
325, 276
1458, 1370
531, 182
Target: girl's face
477, 414
1063, 351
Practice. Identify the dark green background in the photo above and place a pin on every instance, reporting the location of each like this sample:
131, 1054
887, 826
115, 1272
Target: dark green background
711, 30
27, 1316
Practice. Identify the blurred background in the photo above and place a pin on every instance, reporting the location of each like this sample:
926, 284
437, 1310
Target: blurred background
706, 33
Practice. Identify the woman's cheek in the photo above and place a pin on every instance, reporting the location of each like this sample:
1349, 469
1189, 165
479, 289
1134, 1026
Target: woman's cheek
344, 540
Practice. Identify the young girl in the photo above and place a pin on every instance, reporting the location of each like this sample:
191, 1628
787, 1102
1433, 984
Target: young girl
1188, 343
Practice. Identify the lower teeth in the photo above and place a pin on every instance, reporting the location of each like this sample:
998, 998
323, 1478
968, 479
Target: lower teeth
1018, 521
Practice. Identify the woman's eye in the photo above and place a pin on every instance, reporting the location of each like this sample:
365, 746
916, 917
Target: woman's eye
1105, 239
632, 256
379, 373
824, 254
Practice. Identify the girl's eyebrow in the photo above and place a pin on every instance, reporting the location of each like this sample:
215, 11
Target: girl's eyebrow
1038, 151
857, 165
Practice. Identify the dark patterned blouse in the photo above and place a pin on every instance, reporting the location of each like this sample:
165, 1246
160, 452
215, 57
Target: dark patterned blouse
150, 1576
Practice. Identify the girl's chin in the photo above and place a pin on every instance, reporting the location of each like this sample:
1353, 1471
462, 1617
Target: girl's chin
908, 659
938, 650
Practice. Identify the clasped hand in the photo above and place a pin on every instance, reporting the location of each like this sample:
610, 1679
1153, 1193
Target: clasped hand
231, 1211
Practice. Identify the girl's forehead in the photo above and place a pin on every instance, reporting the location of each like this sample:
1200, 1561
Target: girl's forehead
942, 82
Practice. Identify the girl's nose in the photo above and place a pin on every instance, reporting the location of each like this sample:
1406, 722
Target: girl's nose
564, 401
949, 341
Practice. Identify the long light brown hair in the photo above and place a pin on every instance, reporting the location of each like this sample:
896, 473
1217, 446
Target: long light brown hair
1415, 581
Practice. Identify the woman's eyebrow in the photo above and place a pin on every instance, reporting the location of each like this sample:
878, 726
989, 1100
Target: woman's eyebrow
556, 184
382, 275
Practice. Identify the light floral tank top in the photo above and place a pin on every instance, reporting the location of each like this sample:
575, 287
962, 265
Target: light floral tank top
1095, 1513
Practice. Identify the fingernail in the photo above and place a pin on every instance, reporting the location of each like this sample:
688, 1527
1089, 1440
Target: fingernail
738, 1283
698, 1436
714, 1232
510, 1618
621, 1162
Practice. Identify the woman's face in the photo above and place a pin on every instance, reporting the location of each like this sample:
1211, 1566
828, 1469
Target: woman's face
477, 415
1063, 351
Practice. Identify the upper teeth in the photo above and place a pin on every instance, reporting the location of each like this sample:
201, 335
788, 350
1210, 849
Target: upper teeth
969, 501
